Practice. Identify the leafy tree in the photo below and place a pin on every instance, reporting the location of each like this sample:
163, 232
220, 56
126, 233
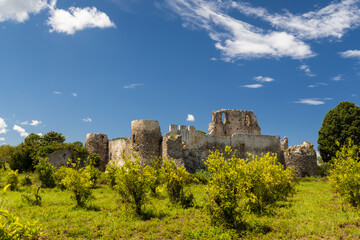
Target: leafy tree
21, 158
53, 137
5, 152
339, 124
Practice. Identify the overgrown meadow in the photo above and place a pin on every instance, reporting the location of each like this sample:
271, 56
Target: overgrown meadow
232, 199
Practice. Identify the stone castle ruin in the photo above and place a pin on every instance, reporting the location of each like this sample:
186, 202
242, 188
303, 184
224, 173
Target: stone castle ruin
188, 147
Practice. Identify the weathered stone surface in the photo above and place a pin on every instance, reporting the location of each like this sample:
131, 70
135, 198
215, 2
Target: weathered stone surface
302, 158
60, 157
234, 121
98, 143
284, 143
146, 139
172, 149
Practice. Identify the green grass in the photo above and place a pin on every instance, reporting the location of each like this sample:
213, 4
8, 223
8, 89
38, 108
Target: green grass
314, 212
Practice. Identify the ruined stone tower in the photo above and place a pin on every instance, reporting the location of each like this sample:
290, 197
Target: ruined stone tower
146, 139
98, 143
226, 122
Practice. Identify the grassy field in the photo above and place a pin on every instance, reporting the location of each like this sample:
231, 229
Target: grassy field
314, 212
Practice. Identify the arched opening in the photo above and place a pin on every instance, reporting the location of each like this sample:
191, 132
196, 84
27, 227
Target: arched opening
223, 118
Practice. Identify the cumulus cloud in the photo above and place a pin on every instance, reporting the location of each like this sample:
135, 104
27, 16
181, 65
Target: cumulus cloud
19, 10
252, 86
338, 77
74, 94
263, 79
3, 126
313, 101
237, 39
190, 118
32, 123
77, 19
87, 119
286, 35
350, 54
20, 130
333, 20
306, 69
2, 139
134, 85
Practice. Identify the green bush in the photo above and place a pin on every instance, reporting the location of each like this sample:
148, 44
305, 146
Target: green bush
324, 169
26, 181
59, 175
155, 172
79, 182
345, 174
111, 171
13, 180
45, 173
94, 160
12, 228
202, 176
175, 179
33, 197
268, 182
238, 187
226, 189
132, 182
94, 174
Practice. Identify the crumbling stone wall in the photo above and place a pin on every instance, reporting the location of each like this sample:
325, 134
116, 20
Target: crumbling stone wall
117, 148
302, 158
98, 143
146, 139
234, 121
60, 157
191, 148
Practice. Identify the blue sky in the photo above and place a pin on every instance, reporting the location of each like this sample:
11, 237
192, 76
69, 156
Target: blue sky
94, 66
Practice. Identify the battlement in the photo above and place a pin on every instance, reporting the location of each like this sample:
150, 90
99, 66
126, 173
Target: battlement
175, 128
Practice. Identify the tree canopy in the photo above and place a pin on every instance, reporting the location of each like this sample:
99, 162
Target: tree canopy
339, 124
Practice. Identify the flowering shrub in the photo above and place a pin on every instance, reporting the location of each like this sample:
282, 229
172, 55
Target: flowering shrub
13, 180
345, 175
45, 172
11, 228
132, 182
175, 180
268, 182
237, 187
77, 180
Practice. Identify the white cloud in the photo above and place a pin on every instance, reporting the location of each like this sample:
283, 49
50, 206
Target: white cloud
87, 119
57, 92
20, 130
350, 54
313, 101
77, 19
19, 10
74, 94
134, 85
2, 139
333, 20
3, 126
237, 39
306, 69
190, 118
40, 134
252, 86
317, 85
338, 77
33, 123
263, 79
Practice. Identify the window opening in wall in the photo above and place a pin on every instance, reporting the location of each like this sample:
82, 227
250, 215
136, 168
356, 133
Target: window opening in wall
133, 138
223, 118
